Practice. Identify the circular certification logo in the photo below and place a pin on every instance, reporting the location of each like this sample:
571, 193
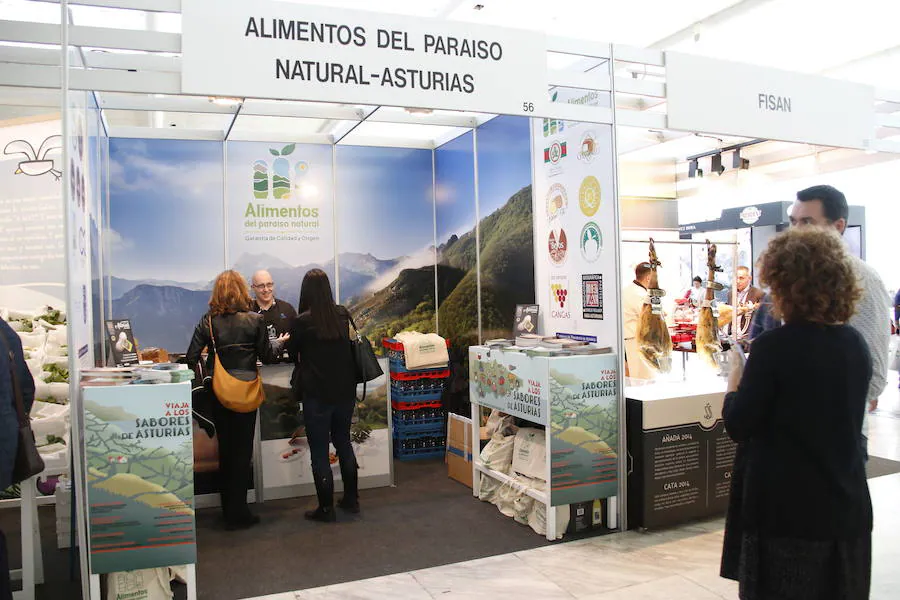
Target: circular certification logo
555, 153
591, 241
589, 196
557, 201
558, 246
588, 148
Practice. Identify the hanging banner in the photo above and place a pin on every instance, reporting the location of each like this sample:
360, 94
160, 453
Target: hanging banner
32, 224
717, 96
282, 50
140, 478
575, 224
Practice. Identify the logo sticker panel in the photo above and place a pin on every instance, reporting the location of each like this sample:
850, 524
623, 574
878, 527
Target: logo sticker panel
558, 246
592, 296
589, 196
591, 241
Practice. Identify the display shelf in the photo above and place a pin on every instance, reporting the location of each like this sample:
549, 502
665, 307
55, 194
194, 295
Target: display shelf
575, 400
542, 497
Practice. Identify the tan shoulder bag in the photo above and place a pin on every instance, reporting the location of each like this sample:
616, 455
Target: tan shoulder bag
233, 393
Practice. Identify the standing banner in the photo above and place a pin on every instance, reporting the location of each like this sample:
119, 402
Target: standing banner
139, 476
575, 226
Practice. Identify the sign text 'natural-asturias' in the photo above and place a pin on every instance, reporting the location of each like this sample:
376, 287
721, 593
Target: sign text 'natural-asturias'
358, 36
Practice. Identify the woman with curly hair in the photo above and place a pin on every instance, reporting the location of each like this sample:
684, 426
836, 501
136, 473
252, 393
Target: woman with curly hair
800, 518
240, 339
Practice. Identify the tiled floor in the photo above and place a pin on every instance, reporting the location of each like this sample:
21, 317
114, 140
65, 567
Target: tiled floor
679, 564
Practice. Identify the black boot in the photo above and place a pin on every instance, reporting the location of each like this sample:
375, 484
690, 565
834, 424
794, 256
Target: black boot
350, 477
325, 494
325, 515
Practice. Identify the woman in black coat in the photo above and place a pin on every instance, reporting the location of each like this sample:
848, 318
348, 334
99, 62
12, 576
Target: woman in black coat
240, 339
800, 519
325, 379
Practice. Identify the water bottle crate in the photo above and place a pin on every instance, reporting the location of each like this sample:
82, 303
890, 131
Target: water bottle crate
418, 453
435, 435
399, 366
422, 375
405, 405
422, 395
417, 423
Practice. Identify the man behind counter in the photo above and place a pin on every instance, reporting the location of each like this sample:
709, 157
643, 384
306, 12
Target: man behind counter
278, 315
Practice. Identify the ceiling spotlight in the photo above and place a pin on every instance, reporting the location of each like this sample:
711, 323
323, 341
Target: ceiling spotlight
478, 6
716, 164
739, 163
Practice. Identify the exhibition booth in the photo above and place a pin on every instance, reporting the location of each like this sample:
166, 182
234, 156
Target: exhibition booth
448, 178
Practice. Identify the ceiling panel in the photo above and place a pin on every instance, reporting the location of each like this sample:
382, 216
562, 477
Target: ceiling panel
283, 126
802, 35
624, 22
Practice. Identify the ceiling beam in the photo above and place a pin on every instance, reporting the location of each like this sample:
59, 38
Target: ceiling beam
166, 6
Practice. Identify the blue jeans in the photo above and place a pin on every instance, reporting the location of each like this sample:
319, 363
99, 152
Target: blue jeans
328, 421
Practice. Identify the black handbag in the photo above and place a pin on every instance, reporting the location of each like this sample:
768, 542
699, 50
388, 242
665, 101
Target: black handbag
28, 460
367, 367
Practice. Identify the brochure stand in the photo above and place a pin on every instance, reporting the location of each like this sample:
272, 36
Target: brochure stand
575, 398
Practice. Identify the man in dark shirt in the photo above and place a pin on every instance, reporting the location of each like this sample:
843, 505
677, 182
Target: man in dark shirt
278, 315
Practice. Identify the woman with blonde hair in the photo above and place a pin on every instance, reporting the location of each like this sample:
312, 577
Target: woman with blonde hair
799, 522
240, 339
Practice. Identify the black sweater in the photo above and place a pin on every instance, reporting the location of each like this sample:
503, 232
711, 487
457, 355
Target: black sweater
324, 368
798, 413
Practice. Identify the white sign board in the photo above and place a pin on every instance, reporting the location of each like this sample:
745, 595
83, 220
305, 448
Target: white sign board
716, 96
280, 50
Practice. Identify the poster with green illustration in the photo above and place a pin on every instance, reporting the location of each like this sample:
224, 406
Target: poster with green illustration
140, 480
584, 421
511, 382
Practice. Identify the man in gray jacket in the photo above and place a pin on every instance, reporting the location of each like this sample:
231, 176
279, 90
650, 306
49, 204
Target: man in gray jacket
11, 360
825, 206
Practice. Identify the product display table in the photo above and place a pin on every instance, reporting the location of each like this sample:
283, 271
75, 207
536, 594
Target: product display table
680, 457
575, 399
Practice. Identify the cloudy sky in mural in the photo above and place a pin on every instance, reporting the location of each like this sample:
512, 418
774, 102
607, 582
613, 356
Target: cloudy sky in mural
166, 209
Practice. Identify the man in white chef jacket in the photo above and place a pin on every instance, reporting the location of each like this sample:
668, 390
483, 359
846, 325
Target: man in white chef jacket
633, 296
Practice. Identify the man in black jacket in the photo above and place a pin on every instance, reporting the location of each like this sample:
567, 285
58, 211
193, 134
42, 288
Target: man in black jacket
12, 360
278, 315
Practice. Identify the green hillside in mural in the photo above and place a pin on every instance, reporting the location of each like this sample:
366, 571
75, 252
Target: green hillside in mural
407, 304
507, 273
507, 276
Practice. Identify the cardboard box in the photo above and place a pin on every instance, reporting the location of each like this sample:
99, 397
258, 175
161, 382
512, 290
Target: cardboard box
459, 449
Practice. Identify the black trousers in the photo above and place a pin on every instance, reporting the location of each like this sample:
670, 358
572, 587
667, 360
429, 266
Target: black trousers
5, 585
328, 421
235, 432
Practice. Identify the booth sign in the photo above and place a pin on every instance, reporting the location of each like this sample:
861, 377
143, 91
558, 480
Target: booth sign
716, 96
288, 51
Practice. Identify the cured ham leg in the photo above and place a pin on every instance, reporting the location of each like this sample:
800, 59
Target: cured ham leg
653, 336
708, 343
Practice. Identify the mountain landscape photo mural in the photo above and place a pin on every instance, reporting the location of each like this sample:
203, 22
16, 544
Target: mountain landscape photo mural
164, 313
407, 303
